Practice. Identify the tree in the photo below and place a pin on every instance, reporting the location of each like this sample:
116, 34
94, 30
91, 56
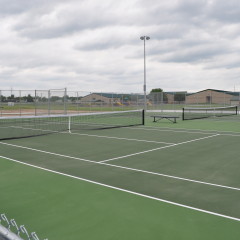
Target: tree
156, 90
3, 98
29, 98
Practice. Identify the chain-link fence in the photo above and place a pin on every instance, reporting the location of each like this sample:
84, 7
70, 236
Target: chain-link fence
33, 102
175, 101
10, 230
61, 101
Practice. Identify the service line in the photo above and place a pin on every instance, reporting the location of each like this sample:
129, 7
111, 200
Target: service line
159, 148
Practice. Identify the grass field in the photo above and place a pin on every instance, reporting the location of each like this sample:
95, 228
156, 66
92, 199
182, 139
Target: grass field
158, 181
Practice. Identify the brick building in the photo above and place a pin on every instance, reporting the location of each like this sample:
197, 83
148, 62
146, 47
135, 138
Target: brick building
212, 96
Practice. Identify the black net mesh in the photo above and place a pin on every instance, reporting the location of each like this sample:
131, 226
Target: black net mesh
20, 127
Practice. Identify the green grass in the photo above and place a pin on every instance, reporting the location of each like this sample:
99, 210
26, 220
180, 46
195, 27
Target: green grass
58, 207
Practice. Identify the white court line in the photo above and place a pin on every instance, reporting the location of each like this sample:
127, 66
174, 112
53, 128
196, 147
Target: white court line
37, 150
124, 190
118, 138
126, 168
155, 149
184, 130
149, 128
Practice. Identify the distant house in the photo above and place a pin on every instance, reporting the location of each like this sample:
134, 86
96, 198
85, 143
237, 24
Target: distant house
99, 97
212, 96
109, 98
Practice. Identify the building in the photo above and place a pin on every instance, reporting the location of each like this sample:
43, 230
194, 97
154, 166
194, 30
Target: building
111, 98
213, 96
235, 101
167, 97
106, 98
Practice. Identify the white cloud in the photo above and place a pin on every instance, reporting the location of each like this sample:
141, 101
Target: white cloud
94, 45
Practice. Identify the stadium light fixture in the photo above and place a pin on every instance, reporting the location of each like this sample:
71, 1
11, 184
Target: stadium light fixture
144, 38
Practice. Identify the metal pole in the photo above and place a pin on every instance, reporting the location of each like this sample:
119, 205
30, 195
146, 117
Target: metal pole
144, 86
144, 38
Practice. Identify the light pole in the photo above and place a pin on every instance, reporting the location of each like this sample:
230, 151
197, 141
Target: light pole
144, 38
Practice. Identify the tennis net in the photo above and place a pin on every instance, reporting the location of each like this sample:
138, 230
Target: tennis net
198, 113
22, 127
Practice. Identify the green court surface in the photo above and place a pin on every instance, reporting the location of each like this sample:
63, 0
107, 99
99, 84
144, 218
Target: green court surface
158, 181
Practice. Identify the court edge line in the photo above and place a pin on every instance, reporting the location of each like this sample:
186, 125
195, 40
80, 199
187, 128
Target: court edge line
184, 130
124, 190
155, 149
149, 128
122, 167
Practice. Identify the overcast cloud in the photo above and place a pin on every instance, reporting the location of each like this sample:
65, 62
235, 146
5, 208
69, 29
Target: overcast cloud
93, 45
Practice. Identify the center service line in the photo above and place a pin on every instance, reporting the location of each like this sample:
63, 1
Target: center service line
155, 149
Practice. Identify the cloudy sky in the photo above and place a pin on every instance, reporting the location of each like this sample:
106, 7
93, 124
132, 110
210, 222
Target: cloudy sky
93, 45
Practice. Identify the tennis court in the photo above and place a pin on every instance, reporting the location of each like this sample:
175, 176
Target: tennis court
154, 181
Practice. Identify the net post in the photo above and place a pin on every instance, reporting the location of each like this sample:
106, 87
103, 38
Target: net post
183, 114
143, 117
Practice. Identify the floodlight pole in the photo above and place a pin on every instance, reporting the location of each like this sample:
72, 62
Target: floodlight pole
144, 38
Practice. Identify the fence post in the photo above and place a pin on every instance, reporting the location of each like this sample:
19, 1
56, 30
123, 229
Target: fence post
20, 110
35, 102
65, 101
1, 101
49, 96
